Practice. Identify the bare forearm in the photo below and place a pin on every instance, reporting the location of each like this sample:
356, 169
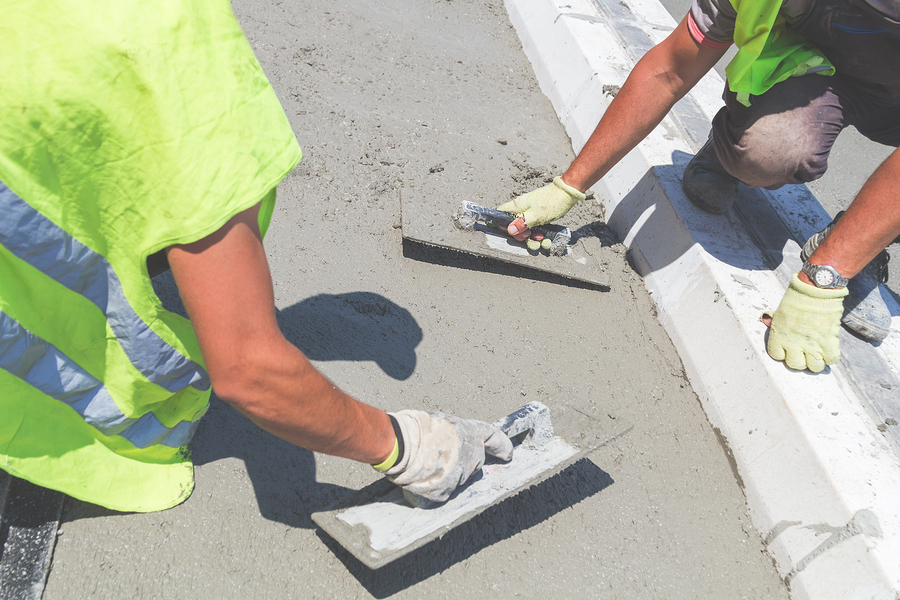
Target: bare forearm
871, 222
227, 290
284, 394
638, 107
662, 77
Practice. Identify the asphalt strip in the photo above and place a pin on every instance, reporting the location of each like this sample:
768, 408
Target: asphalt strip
29, 522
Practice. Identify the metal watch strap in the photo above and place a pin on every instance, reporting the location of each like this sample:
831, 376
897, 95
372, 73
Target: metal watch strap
837, 282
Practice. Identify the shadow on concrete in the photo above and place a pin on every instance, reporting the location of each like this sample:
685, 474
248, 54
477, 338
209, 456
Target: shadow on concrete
167, 292
502, 521
446, 257
283, 475
888, 293
356, 326
75, 510
652, 225
29, 521
639, 214
597, 229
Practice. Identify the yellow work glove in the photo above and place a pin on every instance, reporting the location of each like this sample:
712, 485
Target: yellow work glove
805, 326
544, 205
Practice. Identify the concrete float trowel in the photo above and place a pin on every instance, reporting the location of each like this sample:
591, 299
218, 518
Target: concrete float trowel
480, 230
381, 522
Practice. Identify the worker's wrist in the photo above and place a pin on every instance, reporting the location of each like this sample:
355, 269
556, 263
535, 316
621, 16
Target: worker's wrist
804, 278
397, 453
568, 181
813, 291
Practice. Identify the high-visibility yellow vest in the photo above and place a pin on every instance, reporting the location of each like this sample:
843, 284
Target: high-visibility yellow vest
125, 127
768, 52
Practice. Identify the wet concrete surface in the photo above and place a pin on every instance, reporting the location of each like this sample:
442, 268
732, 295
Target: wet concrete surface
392, 101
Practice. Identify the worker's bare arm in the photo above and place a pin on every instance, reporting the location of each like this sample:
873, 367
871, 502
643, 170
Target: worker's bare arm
662, 77
871, 222
226, 287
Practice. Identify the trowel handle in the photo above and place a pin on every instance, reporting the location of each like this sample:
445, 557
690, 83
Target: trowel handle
531, 423
532, 419
470, 213
492, 216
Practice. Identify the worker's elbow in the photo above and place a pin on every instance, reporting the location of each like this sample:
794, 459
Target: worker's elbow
239, 383
258, 379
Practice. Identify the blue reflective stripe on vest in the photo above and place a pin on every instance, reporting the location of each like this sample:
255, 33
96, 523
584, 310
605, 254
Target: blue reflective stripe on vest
35, 239
41, 365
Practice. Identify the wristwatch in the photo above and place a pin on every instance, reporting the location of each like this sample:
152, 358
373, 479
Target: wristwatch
824, 276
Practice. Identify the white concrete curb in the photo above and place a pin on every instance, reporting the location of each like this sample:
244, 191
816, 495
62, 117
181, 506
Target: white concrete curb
822, 481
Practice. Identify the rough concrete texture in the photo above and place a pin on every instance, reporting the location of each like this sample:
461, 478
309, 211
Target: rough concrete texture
392, 101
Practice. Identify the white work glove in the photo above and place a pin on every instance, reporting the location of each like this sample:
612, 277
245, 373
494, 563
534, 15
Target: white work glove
545, 204
441, 452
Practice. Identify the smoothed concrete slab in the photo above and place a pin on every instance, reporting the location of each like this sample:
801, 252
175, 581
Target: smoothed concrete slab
380, 94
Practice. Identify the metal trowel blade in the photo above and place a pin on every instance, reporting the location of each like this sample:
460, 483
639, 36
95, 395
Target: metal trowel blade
378, 524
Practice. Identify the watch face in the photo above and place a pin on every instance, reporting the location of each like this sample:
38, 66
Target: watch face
824, 277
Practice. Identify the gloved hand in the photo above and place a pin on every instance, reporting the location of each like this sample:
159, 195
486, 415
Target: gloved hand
441, 452
545, 204
805, 326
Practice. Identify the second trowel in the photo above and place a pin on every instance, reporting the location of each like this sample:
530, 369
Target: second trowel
479, 230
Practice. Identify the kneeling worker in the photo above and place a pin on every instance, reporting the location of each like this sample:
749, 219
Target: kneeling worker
129, 131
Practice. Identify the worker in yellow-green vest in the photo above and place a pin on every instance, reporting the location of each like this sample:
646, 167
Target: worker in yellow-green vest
804, 70
132, 131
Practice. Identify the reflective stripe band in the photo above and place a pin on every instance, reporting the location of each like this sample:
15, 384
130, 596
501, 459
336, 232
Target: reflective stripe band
42, 366
35, 239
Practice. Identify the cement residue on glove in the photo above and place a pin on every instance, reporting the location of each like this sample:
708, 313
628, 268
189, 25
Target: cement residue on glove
442, 452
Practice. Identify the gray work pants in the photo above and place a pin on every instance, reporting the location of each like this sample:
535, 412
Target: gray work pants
786, 134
